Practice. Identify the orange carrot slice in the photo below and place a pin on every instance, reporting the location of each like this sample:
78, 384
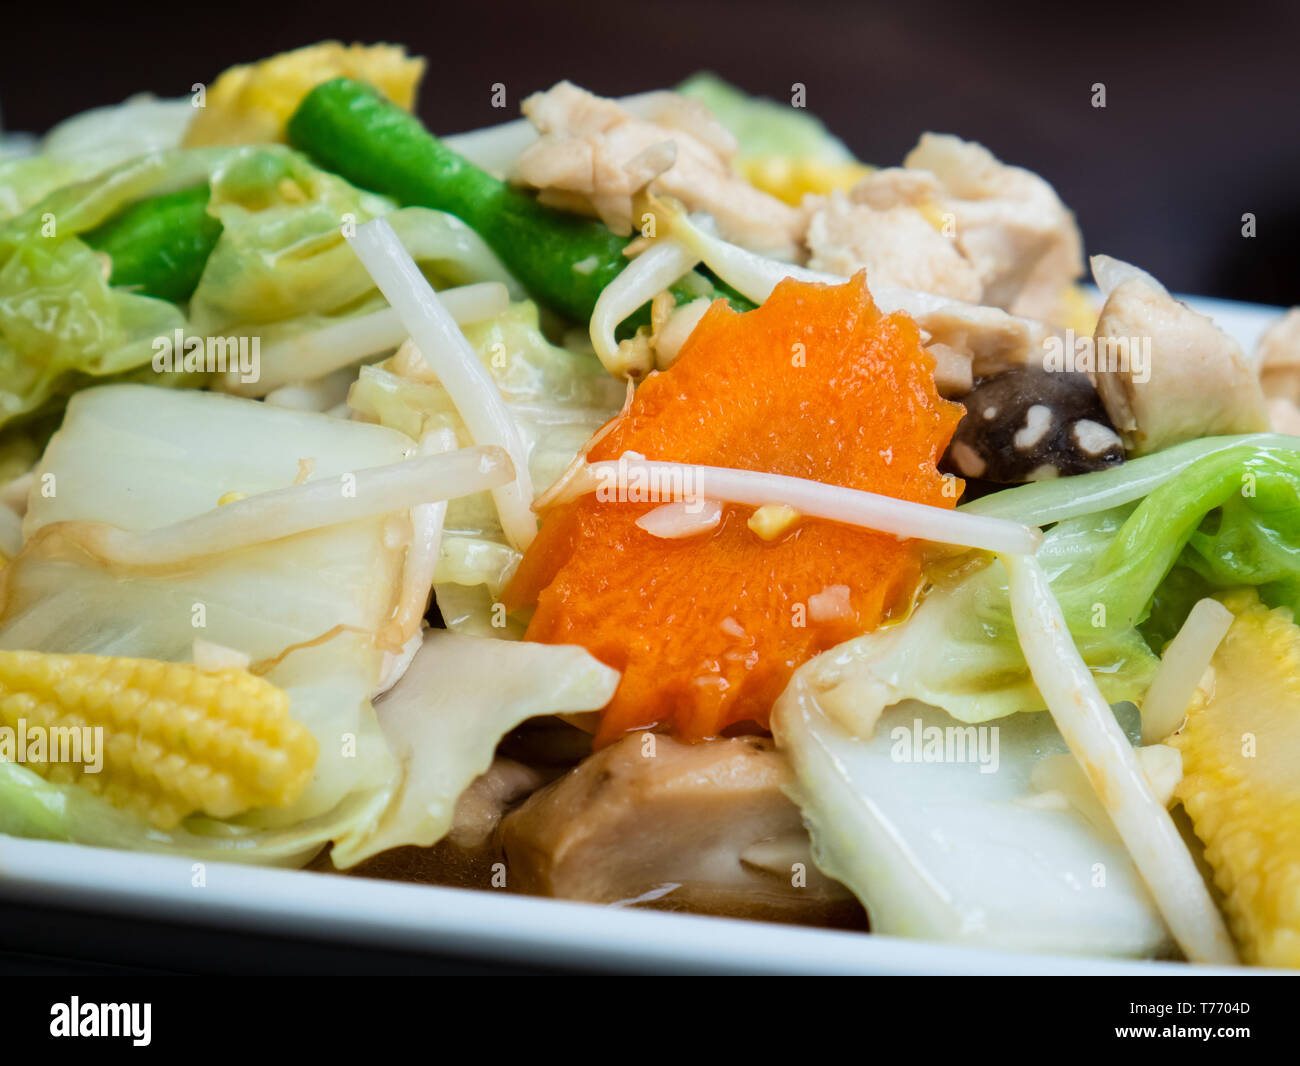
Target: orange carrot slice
816, 383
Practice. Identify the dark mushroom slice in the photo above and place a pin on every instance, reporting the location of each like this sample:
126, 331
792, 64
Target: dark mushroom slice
1029, 424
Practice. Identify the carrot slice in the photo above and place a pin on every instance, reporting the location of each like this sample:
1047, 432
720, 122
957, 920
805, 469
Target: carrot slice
816, 383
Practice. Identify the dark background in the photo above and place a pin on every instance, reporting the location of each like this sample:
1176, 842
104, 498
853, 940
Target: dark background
1202, 122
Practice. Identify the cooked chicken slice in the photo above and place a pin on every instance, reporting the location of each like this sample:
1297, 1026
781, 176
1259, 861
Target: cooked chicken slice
469, 856
677, 112
1284, 415
899, 187
701, 827
1278, 358
987, 338
481, 807
897, 246
954, 373
594, 156
1166, 373
1008, 222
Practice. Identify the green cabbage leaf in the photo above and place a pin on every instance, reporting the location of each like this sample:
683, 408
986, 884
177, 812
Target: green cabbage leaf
765, 127
1163, 531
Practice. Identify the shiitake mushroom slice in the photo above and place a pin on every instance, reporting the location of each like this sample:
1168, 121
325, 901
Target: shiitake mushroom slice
1029, 424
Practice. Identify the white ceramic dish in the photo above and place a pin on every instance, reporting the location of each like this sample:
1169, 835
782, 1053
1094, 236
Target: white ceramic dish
502, 927
482, 924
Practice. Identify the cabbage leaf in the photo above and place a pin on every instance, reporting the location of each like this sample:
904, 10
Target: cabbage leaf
106, 136
765, 127
141, 457
558, 397
939, 830
1125, 577
62, 326
446, 715
282, 264
939, 848
310, 608
29, 179
83, 145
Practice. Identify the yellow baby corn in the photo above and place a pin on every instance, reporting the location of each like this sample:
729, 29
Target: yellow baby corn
790, 178
1241, 751
175, 740
1078, 312
250, 103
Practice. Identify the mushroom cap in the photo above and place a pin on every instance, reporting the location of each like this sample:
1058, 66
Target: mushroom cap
1028, 424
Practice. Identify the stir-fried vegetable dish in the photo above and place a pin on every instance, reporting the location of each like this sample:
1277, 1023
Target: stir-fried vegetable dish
640, 501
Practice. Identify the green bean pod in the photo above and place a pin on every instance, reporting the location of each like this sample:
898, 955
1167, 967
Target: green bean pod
160, 246
563, 260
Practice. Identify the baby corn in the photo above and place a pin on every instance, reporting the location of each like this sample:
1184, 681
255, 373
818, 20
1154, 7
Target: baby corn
1241, 750
791, 178
175, 740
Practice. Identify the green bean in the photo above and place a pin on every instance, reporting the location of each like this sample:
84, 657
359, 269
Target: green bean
160, 246
563, 260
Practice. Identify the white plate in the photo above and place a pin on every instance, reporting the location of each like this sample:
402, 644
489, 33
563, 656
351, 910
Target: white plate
480, 923
497, 925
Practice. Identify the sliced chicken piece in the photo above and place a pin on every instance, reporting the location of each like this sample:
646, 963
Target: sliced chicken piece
988, 339
699, 827
1278, 358
469, 856
954, 373
481, 807
1284, 415
897, 246
899, 187
594, 156
677, 112
1010, 225
1166, 373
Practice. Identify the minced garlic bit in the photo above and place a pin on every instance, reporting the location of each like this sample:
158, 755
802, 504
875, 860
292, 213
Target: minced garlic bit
832, 604
772, 520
